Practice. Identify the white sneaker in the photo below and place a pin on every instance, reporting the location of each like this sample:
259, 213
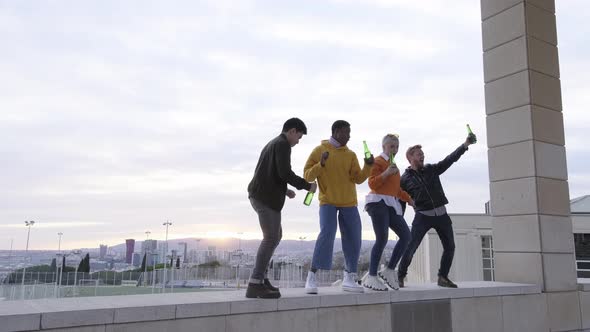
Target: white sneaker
390, 277
373, 282
349, 283
311, 285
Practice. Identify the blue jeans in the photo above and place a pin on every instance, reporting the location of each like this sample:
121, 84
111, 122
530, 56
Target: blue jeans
350, 230
384, 217
421, 225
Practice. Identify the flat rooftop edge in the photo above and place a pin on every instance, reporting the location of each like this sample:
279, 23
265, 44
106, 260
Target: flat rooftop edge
85, 311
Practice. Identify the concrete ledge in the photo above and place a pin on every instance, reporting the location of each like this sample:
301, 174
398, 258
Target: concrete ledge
115, 312
18, 322
293, 300
142, 314
584, 284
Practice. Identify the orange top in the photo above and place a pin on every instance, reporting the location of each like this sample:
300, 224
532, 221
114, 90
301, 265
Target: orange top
386, 185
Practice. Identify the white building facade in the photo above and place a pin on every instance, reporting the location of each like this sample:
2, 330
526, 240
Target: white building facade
474, 243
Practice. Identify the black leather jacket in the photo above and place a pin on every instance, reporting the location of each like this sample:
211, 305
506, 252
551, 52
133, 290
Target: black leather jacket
424, 185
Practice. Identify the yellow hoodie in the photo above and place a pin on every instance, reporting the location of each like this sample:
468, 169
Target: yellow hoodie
338, 178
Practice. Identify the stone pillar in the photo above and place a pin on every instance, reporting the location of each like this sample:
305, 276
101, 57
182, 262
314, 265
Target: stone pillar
529, 192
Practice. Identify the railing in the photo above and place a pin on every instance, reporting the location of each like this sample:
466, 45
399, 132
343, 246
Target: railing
583, 268
189, 279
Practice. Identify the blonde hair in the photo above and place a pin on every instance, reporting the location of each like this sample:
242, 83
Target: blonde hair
390, 137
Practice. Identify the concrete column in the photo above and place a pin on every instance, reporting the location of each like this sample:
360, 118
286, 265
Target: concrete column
532, 227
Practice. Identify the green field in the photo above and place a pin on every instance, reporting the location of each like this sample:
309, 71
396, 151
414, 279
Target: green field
85, 291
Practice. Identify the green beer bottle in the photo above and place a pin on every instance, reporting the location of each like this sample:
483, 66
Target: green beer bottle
391, 161
308, 198
367, 152
471, 136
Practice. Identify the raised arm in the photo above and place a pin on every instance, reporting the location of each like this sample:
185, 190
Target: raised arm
444, 164
358, 175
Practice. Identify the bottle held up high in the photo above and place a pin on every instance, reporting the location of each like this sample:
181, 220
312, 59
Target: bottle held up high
392, 160
367, 152
471, 136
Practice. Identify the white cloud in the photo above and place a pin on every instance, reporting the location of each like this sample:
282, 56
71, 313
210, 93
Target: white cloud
409, 47
60, 225
113, 112
461, 11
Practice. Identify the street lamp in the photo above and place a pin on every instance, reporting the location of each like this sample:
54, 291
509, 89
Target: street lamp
28, 224
145, 256
58, 262
59, 241
154, 255
77, 254
167, 224
239, 253
197, 251
10, 254
301, 239
57, 275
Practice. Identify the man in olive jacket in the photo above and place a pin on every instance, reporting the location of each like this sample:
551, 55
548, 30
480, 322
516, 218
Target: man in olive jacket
267, 192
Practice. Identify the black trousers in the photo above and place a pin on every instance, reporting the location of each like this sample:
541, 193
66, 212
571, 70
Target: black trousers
420, 226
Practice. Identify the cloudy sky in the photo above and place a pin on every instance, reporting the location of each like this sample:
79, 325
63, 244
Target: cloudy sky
117, 116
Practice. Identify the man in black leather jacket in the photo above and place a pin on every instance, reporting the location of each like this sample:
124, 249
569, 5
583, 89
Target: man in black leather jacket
423, 184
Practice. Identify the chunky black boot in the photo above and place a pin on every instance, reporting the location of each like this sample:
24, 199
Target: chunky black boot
445, 282
260, 291
269, 285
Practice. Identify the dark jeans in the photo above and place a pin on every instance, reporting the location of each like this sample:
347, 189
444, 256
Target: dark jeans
384, 217
272, 232
421, 225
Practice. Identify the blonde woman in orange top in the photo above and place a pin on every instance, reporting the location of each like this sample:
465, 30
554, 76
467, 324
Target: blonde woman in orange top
383, 205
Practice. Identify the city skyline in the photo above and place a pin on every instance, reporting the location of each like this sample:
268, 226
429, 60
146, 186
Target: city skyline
117, 118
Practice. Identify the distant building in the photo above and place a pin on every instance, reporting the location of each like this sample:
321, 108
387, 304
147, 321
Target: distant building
183, 249
163, 251
137, 258
211, 254
103, 252
474, 251
130, 248
149, 246
98, 265
196, 257
580, 210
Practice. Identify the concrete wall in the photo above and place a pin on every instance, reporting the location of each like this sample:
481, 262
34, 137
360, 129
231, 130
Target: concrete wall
419, 308
467, 265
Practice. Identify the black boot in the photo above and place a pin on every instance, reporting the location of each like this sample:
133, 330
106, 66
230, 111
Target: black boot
260, 291
269, 285
400, 281
445, 282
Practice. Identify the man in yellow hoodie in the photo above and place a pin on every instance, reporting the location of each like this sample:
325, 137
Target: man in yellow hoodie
337, 170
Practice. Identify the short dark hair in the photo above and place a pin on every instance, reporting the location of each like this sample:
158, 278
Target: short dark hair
339, 124
412, 149
295, 123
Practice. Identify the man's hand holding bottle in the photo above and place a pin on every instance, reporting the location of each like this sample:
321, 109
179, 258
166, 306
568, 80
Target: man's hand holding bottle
314, 187
325, 156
